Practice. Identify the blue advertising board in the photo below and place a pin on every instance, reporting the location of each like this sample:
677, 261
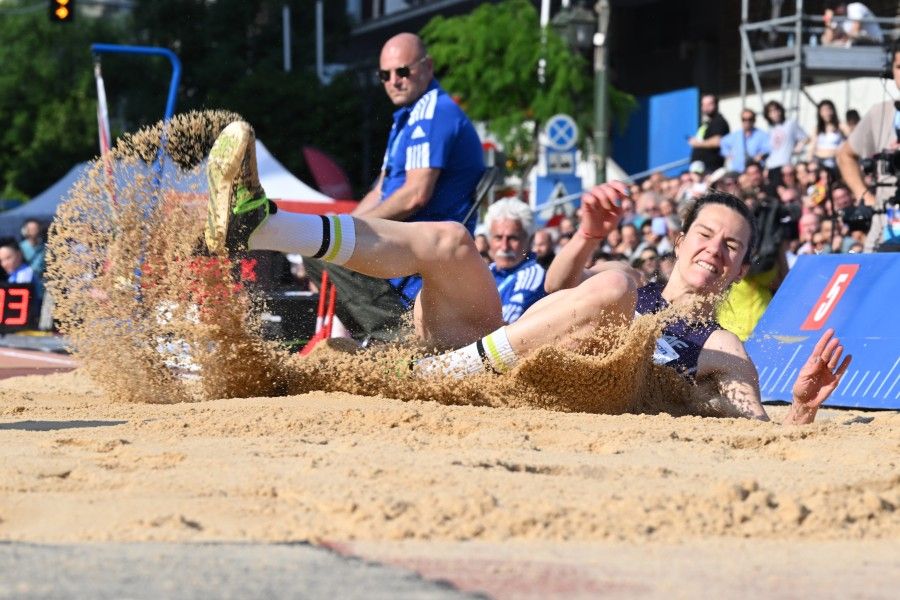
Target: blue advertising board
657, 131
857, 295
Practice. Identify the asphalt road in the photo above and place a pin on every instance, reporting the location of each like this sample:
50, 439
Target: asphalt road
202, 571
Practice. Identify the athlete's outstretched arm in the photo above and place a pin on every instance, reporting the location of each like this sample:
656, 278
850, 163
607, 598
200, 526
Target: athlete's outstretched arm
724, 357
818, 378
600, 213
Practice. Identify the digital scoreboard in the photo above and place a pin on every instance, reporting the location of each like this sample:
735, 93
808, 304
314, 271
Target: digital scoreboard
17, 305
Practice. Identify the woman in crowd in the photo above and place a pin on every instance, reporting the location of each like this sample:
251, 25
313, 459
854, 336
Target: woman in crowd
828, 136
786, 138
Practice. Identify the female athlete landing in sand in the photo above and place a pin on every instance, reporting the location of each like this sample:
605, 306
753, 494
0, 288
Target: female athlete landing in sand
459, 304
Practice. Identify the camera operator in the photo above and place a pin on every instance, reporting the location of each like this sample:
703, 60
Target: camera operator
876, 133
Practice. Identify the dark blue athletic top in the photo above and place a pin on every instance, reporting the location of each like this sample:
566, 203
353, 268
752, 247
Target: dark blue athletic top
681, 341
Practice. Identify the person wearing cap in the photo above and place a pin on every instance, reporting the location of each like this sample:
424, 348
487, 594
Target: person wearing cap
698, 186
850, 24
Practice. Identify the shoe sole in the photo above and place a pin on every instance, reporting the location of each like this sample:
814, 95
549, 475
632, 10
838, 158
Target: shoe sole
223, 169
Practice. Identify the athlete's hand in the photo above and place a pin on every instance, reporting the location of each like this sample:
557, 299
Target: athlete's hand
601, 209
819, 377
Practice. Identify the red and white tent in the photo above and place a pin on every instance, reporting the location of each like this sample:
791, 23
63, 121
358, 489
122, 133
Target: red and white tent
289, 192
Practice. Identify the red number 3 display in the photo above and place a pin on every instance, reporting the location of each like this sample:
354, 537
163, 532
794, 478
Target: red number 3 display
15, 302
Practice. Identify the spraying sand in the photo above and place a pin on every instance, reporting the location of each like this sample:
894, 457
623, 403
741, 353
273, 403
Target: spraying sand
142, 301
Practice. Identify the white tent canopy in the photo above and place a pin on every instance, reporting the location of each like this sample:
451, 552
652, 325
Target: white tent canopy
279, 183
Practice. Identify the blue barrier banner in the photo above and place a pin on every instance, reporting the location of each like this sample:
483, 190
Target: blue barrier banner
657, 131
858, 296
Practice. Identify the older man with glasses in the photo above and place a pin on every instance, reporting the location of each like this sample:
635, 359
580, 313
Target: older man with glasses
432, 163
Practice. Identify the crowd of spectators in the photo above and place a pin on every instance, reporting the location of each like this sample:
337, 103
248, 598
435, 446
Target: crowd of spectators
786, 177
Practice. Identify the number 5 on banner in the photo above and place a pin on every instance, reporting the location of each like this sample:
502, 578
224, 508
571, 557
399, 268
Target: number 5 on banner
830, 297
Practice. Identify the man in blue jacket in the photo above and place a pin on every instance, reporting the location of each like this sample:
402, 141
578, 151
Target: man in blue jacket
432, 164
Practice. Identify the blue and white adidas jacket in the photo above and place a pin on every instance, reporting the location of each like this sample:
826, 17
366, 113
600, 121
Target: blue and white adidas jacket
435, 133
519, 287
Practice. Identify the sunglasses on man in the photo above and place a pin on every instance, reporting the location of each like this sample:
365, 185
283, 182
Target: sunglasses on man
402, 72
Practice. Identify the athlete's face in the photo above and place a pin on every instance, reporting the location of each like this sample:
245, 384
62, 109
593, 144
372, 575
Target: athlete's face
711, 253
509, 242
417, 67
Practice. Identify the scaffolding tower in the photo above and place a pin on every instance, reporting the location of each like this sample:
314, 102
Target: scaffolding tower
787, 48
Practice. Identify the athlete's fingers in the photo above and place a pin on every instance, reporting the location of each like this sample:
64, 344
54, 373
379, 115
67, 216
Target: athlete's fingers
844, 366
609, 195
820, 345
829, 349
621, 188
835, 357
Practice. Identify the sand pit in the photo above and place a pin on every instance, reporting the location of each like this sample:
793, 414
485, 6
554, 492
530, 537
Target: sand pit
334, 466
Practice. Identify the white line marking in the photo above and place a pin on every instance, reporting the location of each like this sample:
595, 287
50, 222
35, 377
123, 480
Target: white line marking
874, 379
39, 357
784, 370
861, 381
891, 389
850, 382
788, 380
886, 377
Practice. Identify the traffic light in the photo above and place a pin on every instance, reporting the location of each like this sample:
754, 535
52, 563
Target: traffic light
62, 11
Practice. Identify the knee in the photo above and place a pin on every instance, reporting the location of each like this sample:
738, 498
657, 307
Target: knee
449, 242
609, 291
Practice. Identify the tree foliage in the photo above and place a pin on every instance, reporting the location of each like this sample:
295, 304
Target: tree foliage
489, 59
231, 53
47, 110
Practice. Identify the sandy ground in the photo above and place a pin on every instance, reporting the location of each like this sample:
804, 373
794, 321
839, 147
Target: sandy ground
77, 467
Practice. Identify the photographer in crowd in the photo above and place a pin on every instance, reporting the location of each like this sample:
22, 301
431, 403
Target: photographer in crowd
876, 134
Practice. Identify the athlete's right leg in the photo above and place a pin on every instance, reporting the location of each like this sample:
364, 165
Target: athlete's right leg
459, 300
606, 299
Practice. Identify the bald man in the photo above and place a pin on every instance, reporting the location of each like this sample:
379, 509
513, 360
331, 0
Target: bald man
432, 163
433, 158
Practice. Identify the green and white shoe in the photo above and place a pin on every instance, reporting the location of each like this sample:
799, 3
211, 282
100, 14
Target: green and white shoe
237, 202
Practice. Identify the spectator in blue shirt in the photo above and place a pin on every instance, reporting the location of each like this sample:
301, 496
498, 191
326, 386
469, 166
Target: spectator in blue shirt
17, 270
519, 277
747, 144
432, 164
433, 158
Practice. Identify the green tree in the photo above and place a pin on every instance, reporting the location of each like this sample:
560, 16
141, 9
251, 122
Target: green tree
489, 60
47, 100
231, 55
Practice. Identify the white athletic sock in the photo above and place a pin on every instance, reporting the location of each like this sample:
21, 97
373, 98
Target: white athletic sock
330, 238
492, 352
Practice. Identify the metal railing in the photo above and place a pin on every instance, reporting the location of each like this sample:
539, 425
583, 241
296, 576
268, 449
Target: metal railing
790, 41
